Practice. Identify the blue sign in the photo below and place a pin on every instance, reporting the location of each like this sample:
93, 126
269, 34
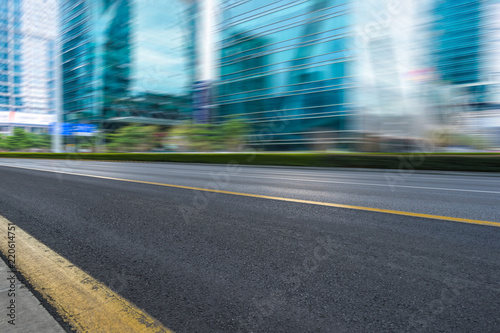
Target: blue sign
84, 129
73, 129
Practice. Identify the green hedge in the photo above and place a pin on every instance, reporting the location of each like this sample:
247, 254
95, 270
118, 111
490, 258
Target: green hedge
453, 162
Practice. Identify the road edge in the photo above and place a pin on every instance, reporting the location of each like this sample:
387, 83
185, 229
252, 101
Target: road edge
81, 301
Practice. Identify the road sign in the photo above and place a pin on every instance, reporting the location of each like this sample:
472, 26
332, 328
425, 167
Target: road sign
74, 129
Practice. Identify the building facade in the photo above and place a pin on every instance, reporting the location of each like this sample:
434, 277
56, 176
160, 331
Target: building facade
285, 69
119, 60
28, 64
457, 40
96, 56
463, 52
325, 74
318, 74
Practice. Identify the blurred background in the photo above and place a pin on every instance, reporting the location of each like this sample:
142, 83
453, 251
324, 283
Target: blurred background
238, 75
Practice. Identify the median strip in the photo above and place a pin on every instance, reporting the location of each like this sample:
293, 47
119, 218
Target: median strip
82, 301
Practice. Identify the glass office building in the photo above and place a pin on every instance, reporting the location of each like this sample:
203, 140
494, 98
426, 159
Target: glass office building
96, 51
122, 62
285, 68
28, 60
464, 53
333, 71
457, 40
318, 74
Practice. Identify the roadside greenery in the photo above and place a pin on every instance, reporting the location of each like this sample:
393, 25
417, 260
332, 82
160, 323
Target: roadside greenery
134, 138
21, 140
226, 136
401, 163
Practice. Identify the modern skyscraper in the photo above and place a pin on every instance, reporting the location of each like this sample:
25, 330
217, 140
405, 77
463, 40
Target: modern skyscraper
457, 40
122, 62
463, 51
284, 68
96, 56
28, 60
333, 71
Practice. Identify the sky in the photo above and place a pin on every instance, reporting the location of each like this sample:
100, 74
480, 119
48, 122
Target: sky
158, 56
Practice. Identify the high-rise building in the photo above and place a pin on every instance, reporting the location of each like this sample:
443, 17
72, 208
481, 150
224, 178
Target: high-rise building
457, 40
122, 62
96, 56
456, 54
316, 74
28, 64
329, 73
463, 53
285, 69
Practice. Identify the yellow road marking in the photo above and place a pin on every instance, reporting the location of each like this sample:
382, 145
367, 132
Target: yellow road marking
319, 203
82, 301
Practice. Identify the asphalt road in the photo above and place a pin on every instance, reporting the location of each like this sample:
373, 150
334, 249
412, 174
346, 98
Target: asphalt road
213, 262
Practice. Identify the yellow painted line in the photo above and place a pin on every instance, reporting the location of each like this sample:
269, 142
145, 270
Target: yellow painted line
318, 203
83, 302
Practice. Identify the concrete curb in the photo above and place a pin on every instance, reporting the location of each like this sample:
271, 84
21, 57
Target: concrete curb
27, 314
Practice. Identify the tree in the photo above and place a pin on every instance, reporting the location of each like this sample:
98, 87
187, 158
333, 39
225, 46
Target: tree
3, 143
233, 133
41, 141
133, 138
229, 135
20, 140
177, 138
201, 137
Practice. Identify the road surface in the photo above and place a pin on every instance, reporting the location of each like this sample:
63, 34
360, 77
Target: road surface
270, 254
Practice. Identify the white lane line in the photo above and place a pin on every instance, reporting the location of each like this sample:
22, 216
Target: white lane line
333, 174
307, 180
372, 184
408, 176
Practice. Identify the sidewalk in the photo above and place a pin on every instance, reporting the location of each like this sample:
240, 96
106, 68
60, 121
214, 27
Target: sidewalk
28, 314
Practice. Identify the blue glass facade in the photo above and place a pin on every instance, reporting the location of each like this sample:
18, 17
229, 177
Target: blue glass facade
96, 50
5, 89
119, 63
192, 30
284, 68
457, 40
10, 56
17, 42
28, 63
